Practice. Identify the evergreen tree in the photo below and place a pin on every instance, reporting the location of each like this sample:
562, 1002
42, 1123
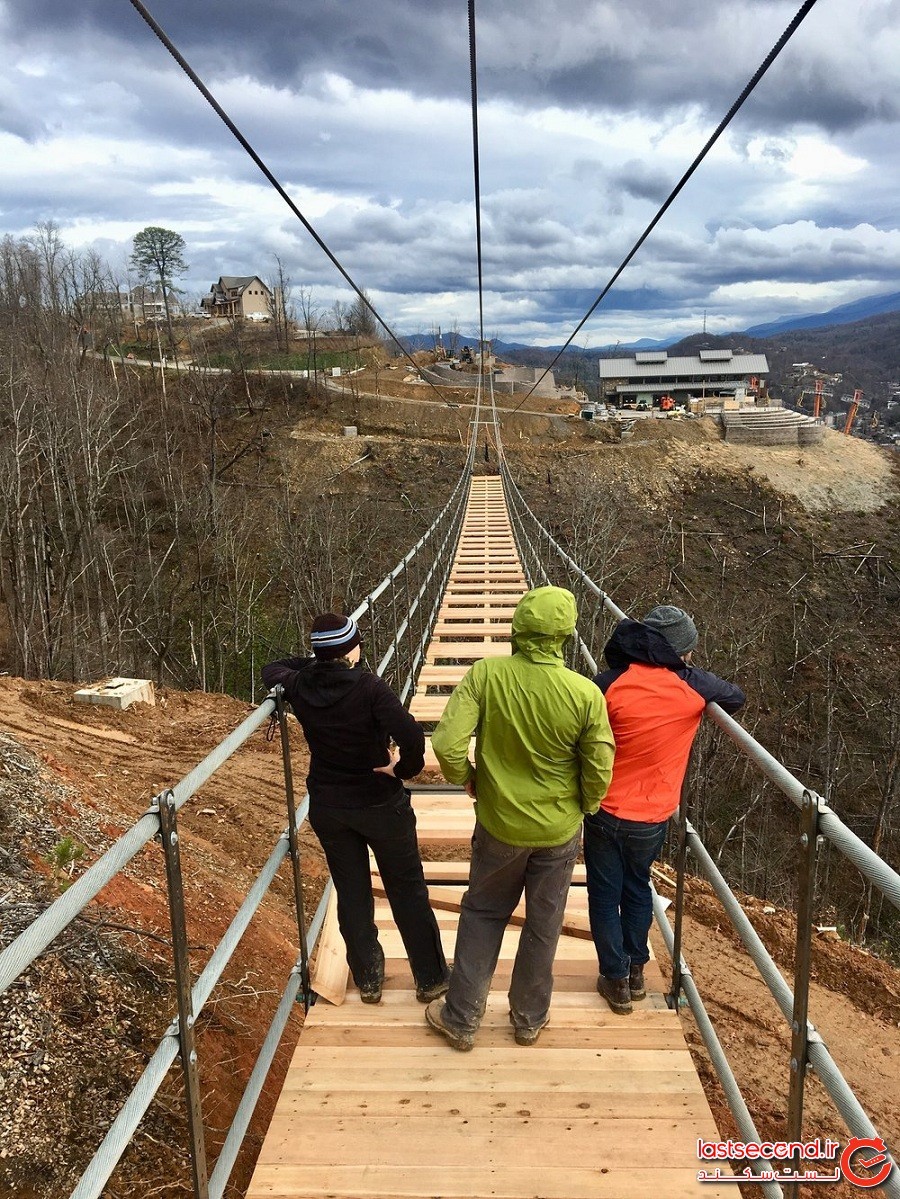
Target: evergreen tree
158, 258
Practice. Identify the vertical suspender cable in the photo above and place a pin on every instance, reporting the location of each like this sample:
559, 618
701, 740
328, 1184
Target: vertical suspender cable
477, 169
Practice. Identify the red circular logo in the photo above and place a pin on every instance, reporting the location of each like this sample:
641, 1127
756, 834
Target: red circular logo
878, 1161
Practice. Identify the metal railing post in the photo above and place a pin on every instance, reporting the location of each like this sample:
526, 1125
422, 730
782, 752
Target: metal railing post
168, 831
808, 846
680, 869
293, 842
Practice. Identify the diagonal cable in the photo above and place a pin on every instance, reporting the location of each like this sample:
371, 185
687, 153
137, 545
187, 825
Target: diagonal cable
223, 115
720, 129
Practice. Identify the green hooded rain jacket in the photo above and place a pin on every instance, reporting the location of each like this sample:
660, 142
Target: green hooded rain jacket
544, 749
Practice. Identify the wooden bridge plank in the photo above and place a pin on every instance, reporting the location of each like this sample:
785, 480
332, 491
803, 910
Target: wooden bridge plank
481, 1182
329, 975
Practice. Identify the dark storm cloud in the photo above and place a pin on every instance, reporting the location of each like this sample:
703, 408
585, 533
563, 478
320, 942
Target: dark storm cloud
648, 56
642, 181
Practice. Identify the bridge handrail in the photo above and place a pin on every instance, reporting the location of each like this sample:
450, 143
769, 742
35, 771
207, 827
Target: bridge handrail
873, 867
816, 817
33, 940
160, 821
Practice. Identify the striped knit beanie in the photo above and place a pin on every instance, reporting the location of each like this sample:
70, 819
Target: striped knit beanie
333, 636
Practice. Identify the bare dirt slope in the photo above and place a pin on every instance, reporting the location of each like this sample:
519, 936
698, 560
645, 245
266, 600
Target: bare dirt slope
76, 1033
842, 474
93, 1024
854, 1003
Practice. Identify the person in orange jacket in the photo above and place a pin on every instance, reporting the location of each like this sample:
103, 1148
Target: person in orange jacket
655, 699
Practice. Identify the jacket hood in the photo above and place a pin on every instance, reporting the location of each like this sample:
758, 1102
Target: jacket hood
542, 621
636, 642
322, 684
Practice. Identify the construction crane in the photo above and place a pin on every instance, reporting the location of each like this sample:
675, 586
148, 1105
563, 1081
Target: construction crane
852, 410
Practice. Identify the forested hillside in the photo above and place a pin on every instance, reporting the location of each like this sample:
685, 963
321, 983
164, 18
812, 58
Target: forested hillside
185, 527
159, 525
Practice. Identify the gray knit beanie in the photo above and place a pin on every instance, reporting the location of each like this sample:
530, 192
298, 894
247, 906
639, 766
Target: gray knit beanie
675, 625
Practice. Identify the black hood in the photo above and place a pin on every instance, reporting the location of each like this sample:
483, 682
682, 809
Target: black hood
322, 684
636, 642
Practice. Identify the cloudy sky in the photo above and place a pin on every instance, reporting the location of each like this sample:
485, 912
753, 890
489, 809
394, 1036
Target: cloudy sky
589, 111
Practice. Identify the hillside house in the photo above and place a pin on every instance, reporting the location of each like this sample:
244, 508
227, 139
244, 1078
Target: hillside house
644, 378
239, 296
143, 303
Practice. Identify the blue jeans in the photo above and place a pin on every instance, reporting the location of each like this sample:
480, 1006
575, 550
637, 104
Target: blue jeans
618, 855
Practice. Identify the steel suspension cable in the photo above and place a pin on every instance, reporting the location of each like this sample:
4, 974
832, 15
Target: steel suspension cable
476, 168
245, 144
473, 71
676, 191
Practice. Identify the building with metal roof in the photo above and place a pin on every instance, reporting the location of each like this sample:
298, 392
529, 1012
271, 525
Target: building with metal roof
646, 376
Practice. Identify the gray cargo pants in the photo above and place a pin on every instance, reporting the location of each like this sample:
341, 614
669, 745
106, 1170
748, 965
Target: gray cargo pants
498, 874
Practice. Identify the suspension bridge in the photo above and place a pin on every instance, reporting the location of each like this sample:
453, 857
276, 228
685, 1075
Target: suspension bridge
374, 1104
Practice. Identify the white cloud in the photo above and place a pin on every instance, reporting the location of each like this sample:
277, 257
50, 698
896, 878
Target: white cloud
589, 113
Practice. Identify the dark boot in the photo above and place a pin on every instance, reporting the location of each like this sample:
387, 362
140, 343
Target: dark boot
636, 982
370, 986
616, 993
435, 991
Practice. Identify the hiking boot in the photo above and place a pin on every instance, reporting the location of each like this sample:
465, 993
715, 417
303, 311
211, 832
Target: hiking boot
636, 982
370, 986
434, 1015
528, 1036
435, 991
616, 993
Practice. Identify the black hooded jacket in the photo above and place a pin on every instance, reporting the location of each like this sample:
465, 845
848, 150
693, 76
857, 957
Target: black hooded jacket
635, 642
348, 716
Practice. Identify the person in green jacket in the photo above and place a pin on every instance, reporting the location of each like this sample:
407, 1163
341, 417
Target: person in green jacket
543, 759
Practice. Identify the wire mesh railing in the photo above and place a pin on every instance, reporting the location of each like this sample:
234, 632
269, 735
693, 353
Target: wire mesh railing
546, 561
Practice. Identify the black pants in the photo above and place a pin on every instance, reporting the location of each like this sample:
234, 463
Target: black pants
346, 834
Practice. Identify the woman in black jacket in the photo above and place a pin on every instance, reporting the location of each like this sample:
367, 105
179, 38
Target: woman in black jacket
357, 801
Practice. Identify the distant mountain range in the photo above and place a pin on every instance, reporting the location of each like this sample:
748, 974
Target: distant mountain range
843, 314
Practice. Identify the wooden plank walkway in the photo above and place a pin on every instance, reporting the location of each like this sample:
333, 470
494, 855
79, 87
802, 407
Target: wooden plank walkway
377, 1106
486, 582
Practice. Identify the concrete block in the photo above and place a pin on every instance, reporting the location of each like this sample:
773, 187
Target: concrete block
118, 693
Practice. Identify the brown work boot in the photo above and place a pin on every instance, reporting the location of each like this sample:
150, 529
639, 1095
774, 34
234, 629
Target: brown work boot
616, 993
636, 982
434, 1014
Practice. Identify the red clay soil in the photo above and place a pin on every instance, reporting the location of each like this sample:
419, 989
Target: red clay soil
111, 764
98, 1025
